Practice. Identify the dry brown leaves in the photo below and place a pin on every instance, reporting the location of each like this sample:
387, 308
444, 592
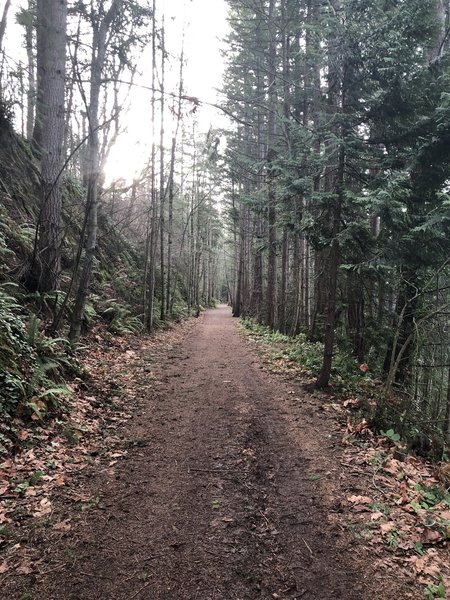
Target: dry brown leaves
46, 469
404, 518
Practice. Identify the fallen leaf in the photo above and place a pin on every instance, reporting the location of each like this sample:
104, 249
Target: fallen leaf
45, 508
360, 500
376, 516
352, 402
404, 494
430, 536
387, 527
24, 569
62, 526
60, 480
3, 567
392, 467
426, 564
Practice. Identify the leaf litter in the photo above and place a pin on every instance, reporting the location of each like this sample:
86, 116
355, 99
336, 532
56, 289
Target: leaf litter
403, 514
43, 470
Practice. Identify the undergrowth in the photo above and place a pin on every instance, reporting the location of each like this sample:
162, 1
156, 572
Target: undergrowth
348, 378
32, 370
361, 391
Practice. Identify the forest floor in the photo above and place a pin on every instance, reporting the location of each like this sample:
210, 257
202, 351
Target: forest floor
215, 480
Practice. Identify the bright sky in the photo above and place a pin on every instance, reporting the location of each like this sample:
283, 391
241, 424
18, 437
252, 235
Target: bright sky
205, 26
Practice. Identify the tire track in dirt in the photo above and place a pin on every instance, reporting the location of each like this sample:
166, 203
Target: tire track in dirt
218, 498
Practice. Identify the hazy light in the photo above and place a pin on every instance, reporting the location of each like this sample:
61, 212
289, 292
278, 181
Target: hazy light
204, 24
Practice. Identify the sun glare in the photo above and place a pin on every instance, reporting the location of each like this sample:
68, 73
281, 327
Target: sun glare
126, 161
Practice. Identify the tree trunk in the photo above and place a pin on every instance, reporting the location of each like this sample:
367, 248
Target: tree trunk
333, 267
238, 298
3, 22
52, 18
161, 183
31, 92
149, 282
92, 166
271, 155
284, 282
440, 42
170, 227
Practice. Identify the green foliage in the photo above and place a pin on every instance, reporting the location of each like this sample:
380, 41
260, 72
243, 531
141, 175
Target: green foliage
120, 318
435, 591
16, 356
31, 367
347, 378
430, 496
264, 333
391, 435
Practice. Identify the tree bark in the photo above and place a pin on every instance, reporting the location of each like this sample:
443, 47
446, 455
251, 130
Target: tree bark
149, 282
271, 155
162, 194
334, 185
52, 20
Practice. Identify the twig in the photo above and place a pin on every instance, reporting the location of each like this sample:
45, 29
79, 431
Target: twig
208, 470
132, 576
306, 544
153, 557
57, 568
95, 575
144, 587
265, 518
375, 485
344, 464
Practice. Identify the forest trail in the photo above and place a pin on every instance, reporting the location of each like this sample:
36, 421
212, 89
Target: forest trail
226, 493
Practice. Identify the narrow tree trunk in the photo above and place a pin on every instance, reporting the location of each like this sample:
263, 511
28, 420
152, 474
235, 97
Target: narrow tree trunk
170, 227
31, 92
447, 424
153, 241
92, 167
271, 155
440, 43
284, 282
330, 315
238, 299
161, 182
296, 286
70, 87
3, 22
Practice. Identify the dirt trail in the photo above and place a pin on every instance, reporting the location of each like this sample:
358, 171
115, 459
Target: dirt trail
226, 493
